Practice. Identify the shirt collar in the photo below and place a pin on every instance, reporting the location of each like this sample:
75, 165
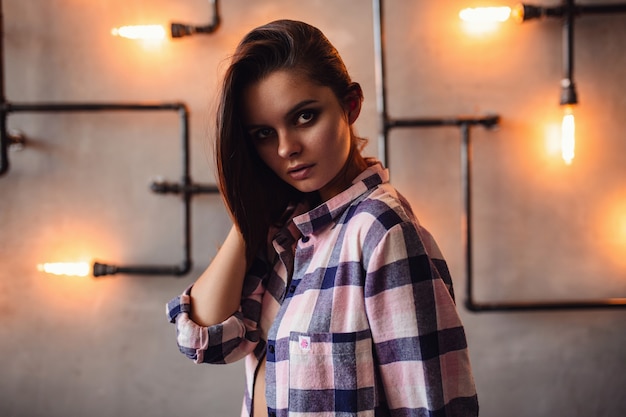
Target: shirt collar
326, 213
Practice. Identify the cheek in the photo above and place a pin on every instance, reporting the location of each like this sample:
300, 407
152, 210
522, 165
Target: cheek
268, 155
336, 133
345, 139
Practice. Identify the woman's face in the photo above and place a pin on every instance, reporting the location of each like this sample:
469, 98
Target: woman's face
300, 130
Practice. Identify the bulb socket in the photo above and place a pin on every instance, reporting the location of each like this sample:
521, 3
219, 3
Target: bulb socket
568, 92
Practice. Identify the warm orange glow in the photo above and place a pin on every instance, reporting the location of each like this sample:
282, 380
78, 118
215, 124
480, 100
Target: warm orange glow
568, 140
552, 133
485, 14
612, 215
621, 227
619, 219
483, 20
517, 13
145, 32
73, 269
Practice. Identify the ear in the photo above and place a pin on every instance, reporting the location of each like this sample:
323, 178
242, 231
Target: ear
352, 102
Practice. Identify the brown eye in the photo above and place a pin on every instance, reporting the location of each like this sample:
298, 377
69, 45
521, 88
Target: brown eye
262, 134
305, 117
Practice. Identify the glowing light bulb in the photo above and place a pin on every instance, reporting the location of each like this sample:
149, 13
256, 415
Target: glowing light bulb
517, 13
145, 32
72, 269
485, 14
568, 130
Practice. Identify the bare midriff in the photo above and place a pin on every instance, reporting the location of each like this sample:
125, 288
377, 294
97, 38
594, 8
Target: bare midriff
259, 403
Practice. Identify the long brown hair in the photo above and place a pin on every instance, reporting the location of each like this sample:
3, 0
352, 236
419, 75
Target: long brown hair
253, 194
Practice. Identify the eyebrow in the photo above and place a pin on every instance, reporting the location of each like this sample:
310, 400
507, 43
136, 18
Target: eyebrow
290, 112
300, 105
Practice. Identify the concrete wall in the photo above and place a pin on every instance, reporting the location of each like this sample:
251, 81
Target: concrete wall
79, 191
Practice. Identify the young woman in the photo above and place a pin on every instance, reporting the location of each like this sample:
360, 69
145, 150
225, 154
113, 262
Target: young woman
337, 298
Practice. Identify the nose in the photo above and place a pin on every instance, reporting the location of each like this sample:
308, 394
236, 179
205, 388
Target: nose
289, 145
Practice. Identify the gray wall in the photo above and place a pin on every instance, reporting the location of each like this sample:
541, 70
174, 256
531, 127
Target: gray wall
79, 190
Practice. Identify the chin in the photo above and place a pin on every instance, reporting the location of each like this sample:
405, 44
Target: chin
305, 188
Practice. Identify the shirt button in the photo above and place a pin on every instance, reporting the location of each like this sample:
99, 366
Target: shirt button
292, 289
305, 239
271, 348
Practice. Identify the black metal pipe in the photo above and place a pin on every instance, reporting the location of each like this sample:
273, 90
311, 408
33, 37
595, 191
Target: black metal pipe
466, 183
179, 30
470, 303
186, 187
91, 107
186, 183
464, 123
100, 269
379, 70
215, 21
4, 137
582, 9
165, 187
533, 12
457, 121
568, 88
557, 305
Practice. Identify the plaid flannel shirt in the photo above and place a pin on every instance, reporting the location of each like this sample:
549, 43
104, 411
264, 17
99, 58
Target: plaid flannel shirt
354, 311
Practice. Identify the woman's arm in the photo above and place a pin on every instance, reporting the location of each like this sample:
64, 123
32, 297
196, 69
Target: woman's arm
217, 317
216, 295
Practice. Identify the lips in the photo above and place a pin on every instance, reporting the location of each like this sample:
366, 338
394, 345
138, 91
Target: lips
300, 172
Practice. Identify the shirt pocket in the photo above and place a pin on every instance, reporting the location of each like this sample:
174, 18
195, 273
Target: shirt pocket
331, 373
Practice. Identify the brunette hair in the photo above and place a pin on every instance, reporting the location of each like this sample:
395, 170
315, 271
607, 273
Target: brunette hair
254, 195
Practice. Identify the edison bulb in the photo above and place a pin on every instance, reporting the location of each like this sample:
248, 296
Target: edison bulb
145, 32
568, 131
485, 14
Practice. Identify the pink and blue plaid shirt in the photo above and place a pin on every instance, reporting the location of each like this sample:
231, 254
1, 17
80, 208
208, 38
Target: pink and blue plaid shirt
354, 311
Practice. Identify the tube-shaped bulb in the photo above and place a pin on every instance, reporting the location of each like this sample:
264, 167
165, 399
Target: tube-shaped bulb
485, 14
141, 32
568, 133
72, 269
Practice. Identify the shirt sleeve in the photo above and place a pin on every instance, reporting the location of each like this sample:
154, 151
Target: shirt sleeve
419, 340
230, 340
